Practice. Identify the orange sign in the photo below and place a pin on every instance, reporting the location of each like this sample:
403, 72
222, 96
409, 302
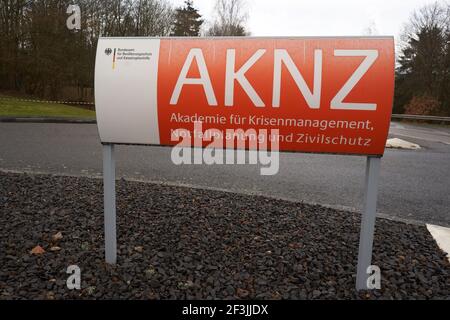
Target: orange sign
324, 95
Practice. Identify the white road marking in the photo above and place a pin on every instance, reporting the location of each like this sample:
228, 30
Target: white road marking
401, 144
442, 237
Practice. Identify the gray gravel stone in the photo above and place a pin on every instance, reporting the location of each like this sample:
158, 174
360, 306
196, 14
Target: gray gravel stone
200, 244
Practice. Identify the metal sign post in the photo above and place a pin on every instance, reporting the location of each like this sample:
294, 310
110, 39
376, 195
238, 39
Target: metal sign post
368, 221
109, 193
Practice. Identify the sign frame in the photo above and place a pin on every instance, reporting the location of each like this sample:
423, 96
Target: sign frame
368, 217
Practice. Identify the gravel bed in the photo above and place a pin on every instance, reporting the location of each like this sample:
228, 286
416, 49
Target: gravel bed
183, 243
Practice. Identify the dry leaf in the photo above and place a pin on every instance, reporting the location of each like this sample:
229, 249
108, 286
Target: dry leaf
50, 296
139, 249
57, 236
53, 249
37, 250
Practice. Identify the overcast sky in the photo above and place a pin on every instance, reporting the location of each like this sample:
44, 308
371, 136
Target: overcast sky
322, 17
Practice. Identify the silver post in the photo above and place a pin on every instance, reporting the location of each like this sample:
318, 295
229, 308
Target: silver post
109, 186
368, 222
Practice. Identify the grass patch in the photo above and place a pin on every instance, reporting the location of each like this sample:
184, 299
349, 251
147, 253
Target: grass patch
11, 107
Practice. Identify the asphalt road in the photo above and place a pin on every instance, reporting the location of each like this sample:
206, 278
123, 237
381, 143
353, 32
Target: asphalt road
414, 185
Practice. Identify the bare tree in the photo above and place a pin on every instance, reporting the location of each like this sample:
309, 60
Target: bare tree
433, 16
230, 19
40, 56
371, 29
152, 18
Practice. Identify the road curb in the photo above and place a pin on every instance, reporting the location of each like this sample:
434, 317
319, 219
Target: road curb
442, 237
47, 120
